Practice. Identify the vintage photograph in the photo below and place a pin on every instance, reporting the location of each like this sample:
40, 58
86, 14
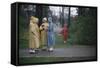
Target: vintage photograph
56, 33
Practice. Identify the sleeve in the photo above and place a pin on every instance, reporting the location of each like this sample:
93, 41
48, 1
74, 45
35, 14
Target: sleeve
41, 28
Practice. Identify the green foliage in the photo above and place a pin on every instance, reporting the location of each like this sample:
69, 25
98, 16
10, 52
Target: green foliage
21, 23
23, 33
83, 30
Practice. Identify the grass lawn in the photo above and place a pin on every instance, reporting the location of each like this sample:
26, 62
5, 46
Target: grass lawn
40, 60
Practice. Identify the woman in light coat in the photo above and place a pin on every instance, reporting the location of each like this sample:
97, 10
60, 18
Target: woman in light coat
33, 35
43, 29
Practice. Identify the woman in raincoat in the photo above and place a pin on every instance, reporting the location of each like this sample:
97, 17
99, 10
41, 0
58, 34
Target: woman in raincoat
65, 33
33, 35
51, 35
43, 31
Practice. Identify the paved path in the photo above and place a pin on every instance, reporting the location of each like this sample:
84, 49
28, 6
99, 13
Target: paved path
75, 51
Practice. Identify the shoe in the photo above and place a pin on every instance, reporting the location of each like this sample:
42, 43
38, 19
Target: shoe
51, 49
32, 51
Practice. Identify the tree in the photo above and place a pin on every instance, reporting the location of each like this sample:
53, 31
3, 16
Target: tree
84, 30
